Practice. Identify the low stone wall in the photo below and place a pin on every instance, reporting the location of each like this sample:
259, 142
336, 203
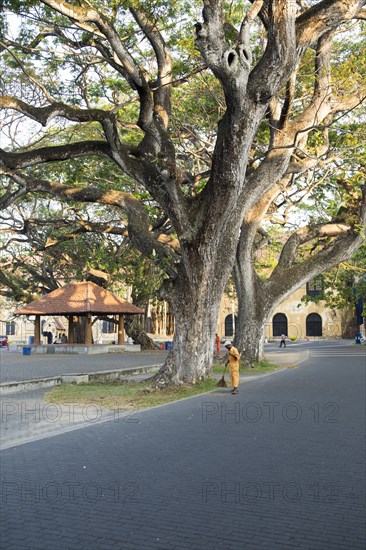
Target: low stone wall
29, 385
79, 349
100, 376
120, 348
106, 376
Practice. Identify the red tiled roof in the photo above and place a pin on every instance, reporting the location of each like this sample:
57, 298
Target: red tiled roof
78, 298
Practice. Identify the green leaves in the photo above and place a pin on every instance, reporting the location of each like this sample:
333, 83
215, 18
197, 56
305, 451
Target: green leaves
345, 284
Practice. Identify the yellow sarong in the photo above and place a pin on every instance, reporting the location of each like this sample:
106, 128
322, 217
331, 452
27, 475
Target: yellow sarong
234, 357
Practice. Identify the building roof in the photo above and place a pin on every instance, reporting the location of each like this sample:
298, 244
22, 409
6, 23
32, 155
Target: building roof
79, 298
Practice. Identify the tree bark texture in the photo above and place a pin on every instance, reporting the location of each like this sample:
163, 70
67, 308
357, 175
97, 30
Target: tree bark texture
134, 327
195, 307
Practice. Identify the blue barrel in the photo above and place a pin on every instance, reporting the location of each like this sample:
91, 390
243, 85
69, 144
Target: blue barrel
168, 345
27, 350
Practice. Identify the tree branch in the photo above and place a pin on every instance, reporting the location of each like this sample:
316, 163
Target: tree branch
28, 75
106, 228
16, 161
324, 16
288, 276
307, 234
162, 99
280, 54
134, 75
44, 115
138, 221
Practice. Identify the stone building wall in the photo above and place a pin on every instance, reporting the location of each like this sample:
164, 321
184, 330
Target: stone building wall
334, 323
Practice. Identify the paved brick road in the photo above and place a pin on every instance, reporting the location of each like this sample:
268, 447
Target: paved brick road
281, 466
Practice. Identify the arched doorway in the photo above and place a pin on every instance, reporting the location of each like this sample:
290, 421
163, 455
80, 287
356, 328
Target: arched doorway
279, 324
229, 325
314, 325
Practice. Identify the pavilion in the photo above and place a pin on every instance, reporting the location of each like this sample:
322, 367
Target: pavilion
85, 299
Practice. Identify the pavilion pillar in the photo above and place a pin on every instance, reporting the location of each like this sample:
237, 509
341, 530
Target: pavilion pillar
121, 329
70, 334
88, 331
37, 330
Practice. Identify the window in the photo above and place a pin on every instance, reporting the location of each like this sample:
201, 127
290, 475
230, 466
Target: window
229, 328
279, 324
10, 328
108, 327
315, 287
314, 325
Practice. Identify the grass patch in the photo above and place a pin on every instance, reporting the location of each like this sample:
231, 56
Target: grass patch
125, 395
138, 395
263, 366
259, 368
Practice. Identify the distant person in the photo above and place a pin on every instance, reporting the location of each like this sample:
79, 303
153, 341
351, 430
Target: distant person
63, 339
5, 343
218, 344
283, 340
233, 361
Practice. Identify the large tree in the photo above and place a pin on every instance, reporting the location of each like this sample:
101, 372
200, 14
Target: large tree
116, 74
315, 132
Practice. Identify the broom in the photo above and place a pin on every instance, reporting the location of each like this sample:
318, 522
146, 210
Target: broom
221, 383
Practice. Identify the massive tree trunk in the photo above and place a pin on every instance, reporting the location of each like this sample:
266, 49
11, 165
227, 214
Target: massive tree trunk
251, 317
195, 298
134, 327
249, 340
80, 330
191, 356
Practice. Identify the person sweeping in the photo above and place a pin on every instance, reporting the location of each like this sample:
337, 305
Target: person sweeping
233, 361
